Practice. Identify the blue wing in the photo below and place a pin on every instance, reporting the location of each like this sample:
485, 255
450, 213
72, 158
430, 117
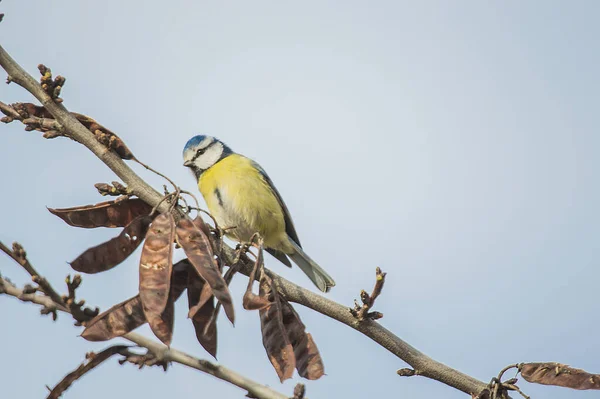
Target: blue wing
289, 224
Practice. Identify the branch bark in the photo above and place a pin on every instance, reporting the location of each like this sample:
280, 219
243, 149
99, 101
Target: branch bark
422, 364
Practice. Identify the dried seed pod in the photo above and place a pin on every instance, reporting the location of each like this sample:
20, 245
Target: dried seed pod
308, 359
202, 318
116, 321
199, 251
275, 338
105, 136
114, 251
162, 324
104, 214
559, 375
129, 315
156, 264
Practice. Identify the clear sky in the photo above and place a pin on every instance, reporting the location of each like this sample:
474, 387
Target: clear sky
453, 144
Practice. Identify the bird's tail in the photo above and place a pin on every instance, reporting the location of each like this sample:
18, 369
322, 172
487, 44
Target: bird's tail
315, 273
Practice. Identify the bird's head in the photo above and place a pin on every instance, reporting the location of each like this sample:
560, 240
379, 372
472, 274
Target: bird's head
201, 152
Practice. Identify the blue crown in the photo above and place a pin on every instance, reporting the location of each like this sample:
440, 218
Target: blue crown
194, 141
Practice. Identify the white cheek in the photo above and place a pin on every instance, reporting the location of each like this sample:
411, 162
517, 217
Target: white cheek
210, 157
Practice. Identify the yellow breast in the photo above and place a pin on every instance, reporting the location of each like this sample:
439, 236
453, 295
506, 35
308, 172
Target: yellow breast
237, 195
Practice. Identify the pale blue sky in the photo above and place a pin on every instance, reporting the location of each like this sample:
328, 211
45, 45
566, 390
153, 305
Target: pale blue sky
453, 144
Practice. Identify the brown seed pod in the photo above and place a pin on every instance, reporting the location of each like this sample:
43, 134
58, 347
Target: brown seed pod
114, 251
199, 251
104, 214
156, 264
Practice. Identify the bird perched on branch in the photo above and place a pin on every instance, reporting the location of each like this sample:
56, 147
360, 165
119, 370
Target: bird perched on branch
240, 194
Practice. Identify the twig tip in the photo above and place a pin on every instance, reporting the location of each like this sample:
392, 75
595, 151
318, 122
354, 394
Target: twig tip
406, 372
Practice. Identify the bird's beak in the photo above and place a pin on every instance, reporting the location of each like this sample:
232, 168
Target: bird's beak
187, 163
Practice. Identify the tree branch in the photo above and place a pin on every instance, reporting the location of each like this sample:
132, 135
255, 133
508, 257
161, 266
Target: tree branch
92, 360
67, 122
18, 255
423, 365
161, 351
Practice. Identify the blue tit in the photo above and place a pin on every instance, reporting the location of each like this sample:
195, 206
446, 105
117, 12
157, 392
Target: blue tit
240, 195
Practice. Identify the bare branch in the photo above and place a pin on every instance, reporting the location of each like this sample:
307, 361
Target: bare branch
80, 133
92, 360
422, 364
162, 352
19, 255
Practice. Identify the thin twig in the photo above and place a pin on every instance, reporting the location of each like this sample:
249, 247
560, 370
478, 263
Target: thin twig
505, 369
19, 255
92, 361
363, 312
175, 187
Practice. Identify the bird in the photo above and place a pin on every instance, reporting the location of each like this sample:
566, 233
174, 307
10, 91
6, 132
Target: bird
243, 199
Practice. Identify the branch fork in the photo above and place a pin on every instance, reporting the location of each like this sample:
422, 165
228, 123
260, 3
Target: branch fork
498, 389
362, 312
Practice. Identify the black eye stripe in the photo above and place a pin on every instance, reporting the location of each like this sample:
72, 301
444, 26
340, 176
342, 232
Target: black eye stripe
201, 151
